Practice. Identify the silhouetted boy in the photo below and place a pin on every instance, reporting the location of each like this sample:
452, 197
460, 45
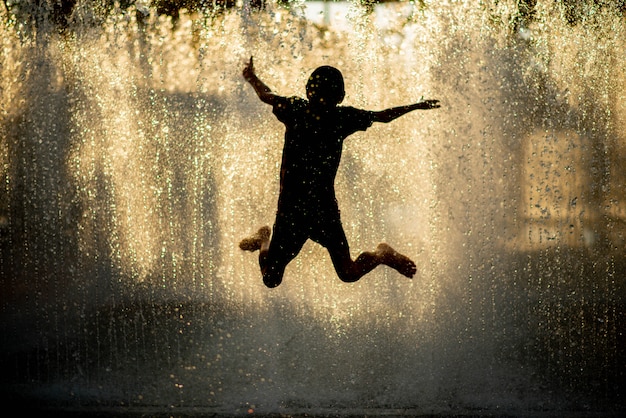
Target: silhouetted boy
307, 207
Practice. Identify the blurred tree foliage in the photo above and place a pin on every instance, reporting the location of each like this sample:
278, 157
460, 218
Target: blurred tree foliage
59, 13
577, 11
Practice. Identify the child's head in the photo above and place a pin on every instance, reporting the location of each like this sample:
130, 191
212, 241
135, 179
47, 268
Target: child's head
325, 86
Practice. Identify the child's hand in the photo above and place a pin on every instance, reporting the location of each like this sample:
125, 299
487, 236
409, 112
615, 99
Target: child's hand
429, 104
248, 70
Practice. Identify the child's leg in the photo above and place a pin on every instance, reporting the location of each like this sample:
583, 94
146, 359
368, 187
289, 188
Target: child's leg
334, 239
350, 271
331, 235
275, 254
261, 241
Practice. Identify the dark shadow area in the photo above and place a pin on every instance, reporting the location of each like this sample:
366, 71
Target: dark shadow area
572, 307
552, 320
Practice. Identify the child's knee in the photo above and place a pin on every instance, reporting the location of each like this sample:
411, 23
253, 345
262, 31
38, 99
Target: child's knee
271, 281
347, 276
272, 277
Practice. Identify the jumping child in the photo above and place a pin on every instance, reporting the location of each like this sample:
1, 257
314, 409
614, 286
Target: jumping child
307, 207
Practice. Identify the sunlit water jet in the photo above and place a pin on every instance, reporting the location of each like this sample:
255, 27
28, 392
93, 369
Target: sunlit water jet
134, 158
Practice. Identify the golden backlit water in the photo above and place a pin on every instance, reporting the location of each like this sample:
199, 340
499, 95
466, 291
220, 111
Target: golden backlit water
134, 157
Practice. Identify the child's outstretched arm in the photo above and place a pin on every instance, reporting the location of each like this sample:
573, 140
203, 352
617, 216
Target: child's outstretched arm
392, 113
265, 93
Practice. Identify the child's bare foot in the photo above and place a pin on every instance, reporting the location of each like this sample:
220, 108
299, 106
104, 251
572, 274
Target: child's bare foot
395, 260
255, 242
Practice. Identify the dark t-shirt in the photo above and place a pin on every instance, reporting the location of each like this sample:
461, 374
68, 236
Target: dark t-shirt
312, 151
